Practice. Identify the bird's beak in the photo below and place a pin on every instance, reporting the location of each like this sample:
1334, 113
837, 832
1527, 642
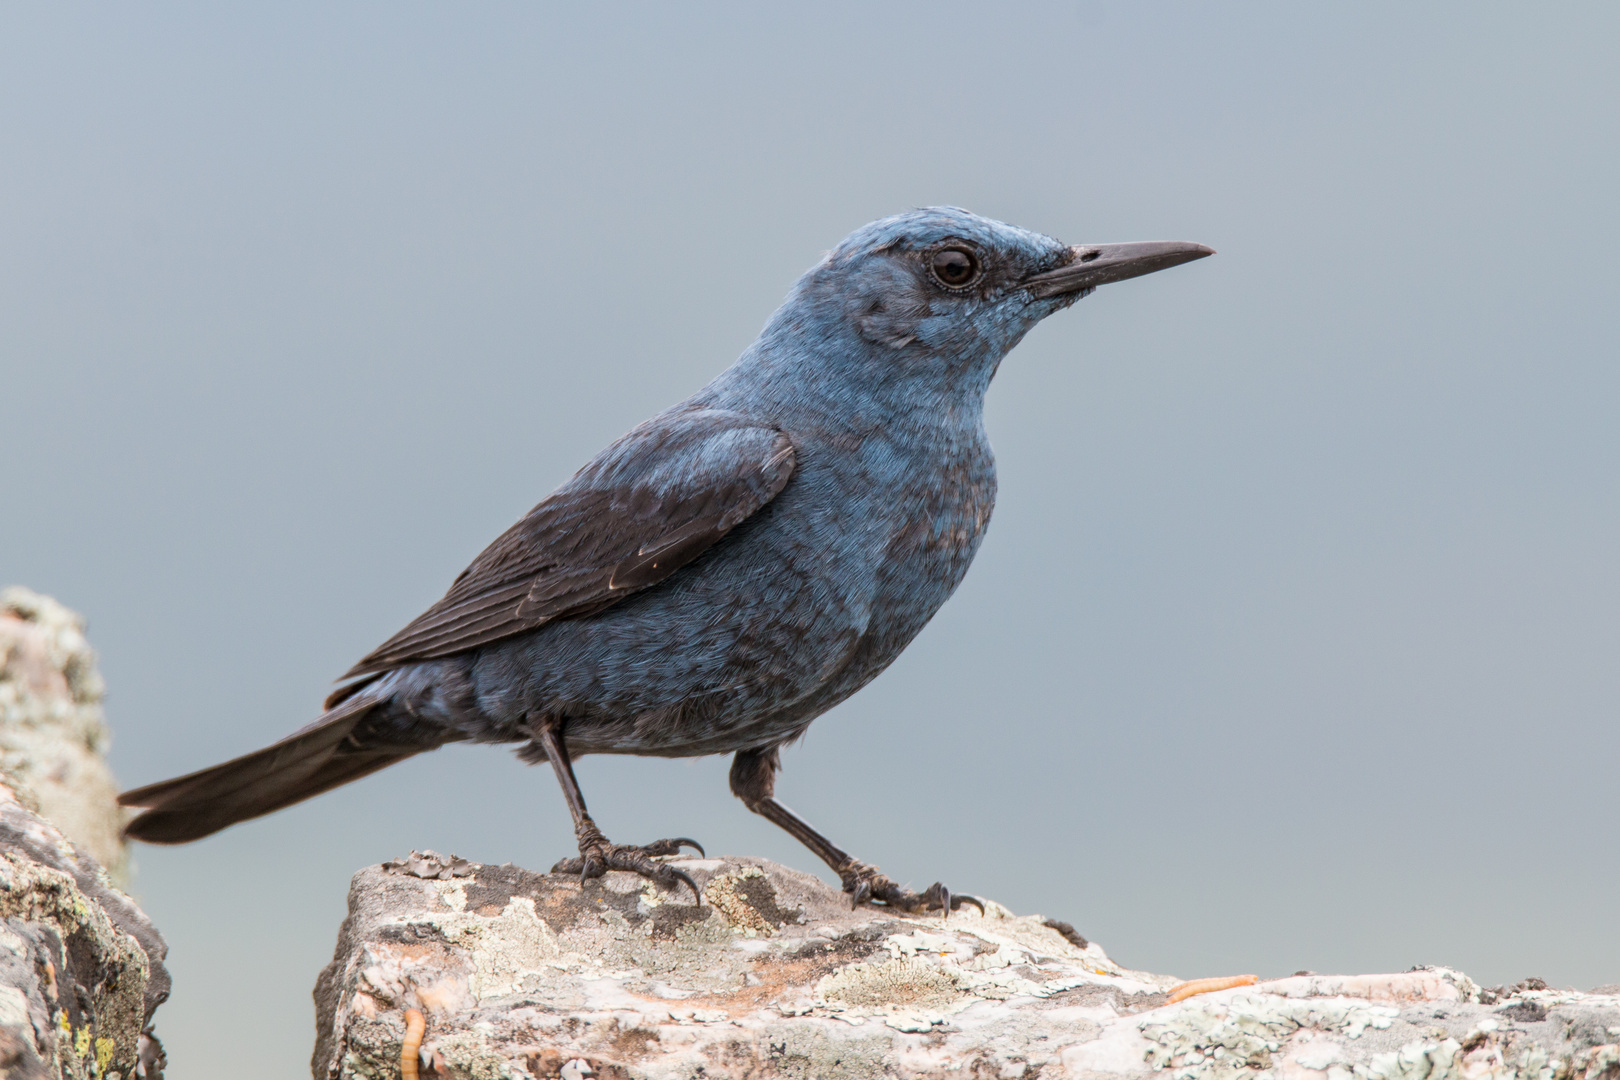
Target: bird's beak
1091, 265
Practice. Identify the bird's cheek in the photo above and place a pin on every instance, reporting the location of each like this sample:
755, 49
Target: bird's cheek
945, 334
883, 328
884, 321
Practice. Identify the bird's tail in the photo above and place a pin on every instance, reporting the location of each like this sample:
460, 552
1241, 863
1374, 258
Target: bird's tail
327, 753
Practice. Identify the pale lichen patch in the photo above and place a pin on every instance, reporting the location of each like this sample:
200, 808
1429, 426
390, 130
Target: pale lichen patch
903, 983
726, 893
507, 949
1228, 1035
813, 1053
469, 1054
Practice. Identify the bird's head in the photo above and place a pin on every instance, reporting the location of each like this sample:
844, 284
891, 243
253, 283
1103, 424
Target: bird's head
936, 297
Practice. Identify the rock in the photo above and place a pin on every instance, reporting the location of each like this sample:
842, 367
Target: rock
81, 968
519, 974
53, 739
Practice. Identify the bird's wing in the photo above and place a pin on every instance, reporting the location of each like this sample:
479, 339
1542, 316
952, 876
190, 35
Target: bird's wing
644, 508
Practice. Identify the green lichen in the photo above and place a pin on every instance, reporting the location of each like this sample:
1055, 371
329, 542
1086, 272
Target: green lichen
43, 895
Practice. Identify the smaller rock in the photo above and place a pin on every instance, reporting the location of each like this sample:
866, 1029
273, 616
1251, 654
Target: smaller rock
53, 737
81, 967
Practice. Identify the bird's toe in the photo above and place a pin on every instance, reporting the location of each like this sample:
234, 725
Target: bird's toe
867, 884
597, 860
587, 866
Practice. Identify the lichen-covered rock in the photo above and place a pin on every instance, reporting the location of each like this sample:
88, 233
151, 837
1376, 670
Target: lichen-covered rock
521, 974
53, 739
81, 968
1427, 1024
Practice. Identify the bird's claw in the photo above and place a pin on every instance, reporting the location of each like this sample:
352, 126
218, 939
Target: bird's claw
596, 859
867, 884
938, 896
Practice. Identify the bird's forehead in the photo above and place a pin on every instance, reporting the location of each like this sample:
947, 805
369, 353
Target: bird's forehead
937, 224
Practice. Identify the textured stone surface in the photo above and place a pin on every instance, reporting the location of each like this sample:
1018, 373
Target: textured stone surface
521, 974
81, 968
53, 739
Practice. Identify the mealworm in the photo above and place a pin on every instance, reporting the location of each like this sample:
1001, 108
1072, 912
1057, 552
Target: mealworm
1182, 991
415, 1025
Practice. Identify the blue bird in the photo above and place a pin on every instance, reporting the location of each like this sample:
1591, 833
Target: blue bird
727, 571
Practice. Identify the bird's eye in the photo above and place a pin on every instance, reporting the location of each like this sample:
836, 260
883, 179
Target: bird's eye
955, 267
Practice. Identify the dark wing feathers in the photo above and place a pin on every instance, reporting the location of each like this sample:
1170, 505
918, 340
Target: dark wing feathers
647, 506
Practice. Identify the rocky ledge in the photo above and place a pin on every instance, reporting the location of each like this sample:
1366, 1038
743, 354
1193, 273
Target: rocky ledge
449, 969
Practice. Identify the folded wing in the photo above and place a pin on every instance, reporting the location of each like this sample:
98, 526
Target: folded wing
647, 506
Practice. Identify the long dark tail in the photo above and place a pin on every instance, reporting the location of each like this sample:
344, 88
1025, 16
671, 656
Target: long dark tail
330, 752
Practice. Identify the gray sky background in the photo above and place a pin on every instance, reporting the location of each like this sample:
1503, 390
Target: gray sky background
1294, 640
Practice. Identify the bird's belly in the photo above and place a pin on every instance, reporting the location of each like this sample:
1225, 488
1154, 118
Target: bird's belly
783, 673
695, 668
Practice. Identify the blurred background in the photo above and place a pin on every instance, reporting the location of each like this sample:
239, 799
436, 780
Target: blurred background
1293, 642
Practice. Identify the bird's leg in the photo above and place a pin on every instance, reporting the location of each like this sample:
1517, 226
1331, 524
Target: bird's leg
596, 854
753, 780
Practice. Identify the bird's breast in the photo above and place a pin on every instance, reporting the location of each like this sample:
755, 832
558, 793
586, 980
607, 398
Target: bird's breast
935, 518
922, 531
944, 515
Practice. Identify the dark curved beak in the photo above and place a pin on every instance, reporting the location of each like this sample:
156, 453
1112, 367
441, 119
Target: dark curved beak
1091, 265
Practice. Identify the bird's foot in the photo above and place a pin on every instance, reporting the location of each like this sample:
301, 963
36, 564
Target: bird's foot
597, 857
867, 884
